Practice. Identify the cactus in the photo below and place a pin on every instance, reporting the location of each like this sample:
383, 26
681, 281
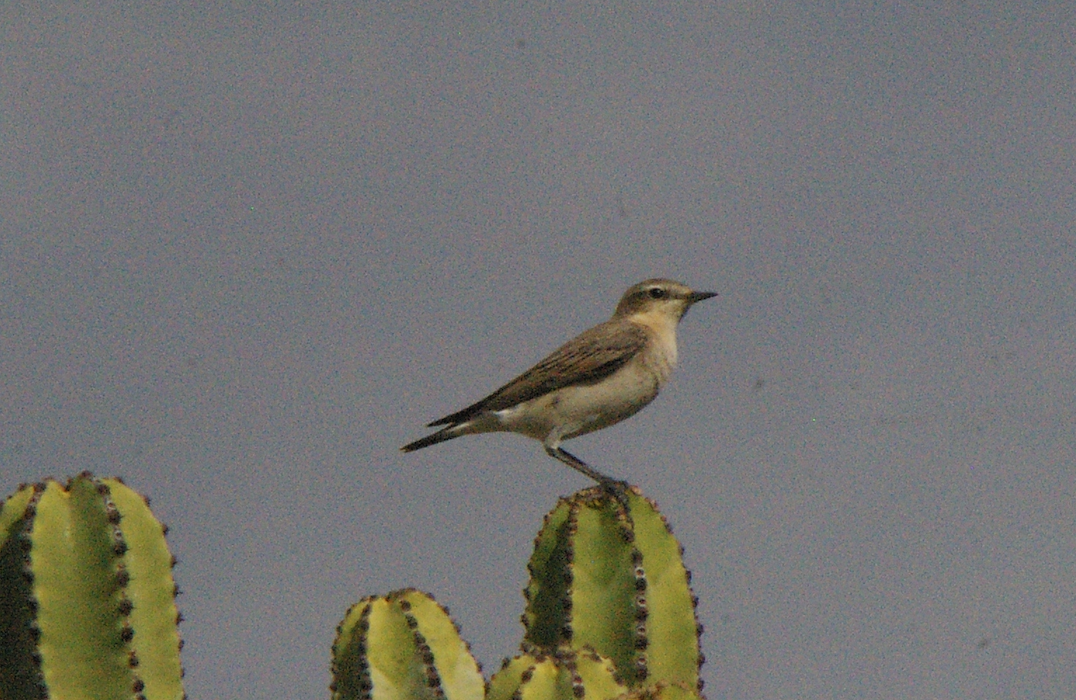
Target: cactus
402, 646
566, 674
611, 577
665, 691
87, 603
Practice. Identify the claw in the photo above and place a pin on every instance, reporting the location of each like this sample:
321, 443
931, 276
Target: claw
617, 490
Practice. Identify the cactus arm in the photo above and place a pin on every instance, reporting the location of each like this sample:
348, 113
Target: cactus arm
672, 626
603, 585
350, 674
152, 593
460, 677
394, 673
564, 674
614, 581
403, 646
18, 674
547, 615
76, 587
72, 576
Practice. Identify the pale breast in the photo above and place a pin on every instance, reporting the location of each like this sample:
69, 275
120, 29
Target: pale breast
659, 356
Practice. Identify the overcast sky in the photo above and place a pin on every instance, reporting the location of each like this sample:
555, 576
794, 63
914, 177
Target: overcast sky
248, 252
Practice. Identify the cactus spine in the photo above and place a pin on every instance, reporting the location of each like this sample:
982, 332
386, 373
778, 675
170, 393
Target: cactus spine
86, 595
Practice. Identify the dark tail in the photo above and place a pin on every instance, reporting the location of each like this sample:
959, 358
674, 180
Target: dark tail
440, 436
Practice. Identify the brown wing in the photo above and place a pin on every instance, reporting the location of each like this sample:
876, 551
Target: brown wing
587, 359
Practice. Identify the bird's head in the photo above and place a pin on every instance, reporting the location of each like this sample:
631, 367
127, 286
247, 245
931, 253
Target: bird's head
659, 297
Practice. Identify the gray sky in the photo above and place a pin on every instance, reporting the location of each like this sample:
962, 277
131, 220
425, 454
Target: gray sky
245, 254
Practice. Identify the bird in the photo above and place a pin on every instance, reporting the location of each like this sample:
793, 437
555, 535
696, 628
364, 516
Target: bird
599, 378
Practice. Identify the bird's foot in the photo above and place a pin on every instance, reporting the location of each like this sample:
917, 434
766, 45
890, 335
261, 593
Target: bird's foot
612, 487
617, 490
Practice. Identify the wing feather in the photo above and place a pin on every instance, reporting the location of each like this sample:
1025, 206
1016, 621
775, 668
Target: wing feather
586, 359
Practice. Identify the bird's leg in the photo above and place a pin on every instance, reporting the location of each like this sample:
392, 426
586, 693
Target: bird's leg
579, 465
614, 487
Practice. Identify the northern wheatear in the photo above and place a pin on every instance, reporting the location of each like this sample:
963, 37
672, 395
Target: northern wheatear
598, 378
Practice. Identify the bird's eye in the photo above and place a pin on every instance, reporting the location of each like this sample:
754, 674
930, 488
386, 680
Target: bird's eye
657, 293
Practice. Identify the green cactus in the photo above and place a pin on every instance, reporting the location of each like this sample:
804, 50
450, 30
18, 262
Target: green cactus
566, 674
402, 646
613, 579
665, 691
87, 603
